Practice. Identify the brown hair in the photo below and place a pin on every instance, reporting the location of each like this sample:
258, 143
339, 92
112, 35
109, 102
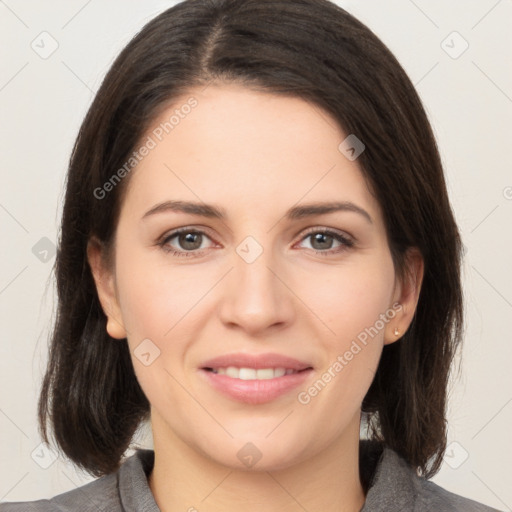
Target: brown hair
311, 49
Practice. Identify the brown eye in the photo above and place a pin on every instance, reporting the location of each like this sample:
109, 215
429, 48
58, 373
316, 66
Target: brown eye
322, 241
188, 242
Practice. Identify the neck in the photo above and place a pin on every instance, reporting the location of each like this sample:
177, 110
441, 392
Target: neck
183, 479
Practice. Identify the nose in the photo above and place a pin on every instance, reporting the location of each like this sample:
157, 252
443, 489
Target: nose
255, 295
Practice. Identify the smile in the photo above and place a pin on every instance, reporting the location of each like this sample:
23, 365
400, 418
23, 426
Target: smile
253, 373
255, 386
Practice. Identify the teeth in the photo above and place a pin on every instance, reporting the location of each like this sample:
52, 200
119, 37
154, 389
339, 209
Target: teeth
252, 373
232, 372
243, 373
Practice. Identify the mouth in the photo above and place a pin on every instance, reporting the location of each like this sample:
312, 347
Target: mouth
255, 379
254, 373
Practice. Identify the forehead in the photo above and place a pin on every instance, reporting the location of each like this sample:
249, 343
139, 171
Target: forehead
246, 150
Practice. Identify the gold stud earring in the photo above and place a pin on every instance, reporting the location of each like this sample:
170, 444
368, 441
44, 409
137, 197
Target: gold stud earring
397, 332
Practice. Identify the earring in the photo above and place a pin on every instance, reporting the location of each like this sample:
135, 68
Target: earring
397, 332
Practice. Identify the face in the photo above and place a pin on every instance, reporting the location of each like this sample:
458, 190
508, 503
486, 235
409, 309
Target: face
268, 285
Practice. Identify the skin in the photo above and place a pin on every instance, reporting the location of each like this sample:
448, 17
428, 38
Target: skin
255, 155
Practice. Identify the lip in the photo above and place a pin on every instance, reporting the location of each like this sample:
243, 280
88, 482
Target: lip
267, 360
255, 391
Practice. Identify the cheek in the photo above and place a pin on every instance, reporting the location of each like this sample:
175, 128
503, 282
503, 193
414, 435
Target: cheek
153, 305
155, 296
352, 308
352, 298
162, 307
144, 302
352, 303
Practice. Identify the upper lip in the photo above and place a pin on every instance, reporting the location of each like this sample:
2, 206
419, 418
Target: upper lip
256, 361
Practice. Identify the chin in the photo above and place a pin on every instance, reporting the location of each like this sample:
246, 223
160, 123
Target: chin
261, 454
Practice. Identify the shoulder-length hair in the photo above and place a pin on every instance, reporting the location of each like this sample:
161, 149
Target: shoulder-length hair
310, 49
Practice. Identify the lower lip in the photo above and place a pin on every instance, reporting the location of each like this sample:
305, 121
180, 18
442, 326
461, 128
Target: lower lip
255, 391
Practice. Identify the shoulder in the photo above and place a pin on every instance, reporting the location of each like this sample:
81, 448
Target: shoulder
127, 488
100, 494
396, 486
433, 497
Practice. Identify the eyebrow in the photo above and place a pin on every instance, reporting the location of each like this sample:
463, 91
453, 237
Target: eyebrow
296, 212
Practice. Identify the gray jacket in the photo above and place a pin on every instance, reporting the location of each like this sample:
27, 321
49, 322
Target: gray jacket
392, 486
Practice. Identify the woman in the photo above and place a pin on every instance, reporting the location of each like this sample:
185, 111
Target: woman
230, 141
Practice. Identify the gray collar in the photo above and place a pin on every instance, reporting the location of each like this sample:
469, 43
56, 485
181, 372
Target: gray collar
385, 476
390, 484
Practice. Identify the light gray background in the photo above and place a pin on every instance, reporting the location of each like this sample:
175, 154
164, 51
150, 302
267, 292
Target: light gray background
469, 102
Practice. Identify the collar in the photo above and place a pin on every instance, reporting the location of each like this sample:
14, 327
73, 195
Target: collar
387, 480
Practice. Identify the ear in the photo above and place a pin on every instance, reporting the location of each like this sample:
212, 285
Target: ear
105, 286
406, 294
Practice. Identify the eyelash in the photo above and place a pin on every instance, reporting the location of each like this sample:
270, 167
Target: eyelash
347, 243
